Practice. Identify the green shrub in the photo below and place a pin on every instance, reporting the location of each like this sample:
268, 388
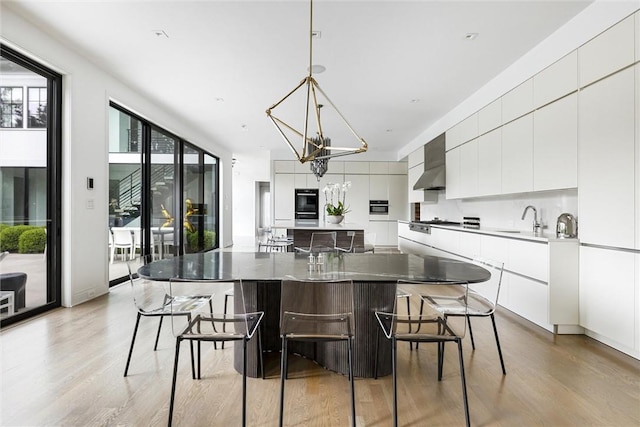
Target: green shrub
192, 241
10, 236
3, 227
32, 241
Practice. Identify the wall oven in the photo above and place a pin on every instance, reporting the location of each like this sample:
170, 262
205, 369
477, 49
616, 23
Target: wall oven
306, 204
378, 207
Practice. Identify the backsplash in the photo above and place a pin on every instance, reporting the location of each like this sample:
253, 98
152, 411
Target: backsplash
506, 211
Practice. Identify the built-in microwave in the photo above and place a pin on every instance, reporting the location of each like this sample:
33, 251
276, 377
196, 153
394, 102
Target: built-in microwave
306, 203
378, 207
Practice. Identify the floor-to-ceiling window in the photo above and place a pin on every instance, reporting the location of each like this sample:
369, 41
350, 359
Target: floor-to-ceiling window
163, 194
30, 141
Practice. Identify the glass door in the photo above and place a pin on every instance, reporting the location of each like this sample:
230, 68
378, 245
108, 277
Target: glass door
164, 209
30, 105
200, 200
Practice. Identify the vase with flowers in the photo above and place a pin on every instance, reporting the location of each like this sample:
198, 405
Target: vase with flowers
335, 207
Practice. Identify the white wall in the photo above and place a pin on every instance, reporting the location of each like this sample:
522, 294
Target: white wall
86, 94
249, 169
506, 211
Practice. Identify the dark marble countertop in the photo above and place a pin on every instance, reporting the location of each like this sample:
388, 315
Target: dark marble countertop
275, 266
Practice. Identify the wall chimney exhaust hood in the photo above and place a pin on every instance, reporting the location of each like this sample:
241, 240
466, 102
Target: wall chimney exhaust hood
433, 177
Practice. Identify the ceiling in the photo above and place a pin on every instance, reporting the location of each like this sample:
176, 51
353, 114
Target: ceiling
393, 68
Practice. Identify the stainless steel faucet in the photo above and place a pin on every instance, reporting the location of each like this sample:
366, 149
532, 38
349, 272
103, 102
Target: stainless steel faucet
537, 227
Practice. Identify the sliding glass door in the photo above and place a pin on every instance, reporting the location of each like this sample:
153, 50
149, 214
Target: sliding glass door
164, 193
30, 141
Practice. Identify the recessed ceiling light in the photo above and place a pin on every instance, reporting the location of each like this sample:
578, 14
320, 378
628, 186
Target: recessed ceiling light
317, 68
160, 33
415, 100
316, 34
470, 36
389, 130
245, 128
219, 99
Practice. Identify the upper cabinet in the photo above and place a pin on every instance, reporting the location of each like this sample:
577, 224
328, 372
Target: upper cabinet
528, 139
517, 102
490, 117
490, 163
356, 167
556, 81
517, 156
607, 53
464, 131
607, 161
555, 145
284, 166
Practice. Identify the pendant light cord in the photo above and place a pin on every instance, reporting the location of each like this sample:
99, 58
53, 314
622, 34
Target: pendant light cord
310, 37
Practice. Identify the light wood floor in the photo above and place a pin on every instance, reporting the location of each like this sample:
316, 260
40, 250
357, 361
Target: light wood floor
65, 368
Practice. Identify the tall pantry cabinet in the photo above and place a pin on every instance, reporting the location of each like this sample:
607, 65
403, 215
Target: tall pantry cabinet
609, 185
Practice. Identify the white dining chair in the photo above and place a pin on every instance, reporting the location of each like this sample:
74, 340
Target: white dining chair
123, 241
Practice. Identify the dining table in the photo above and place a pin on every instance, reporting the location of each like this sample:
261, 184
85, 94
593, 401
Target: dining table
374, 275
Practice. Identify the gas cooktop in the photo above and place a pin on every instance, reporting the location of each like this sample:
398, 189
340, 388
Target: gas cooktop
438, 221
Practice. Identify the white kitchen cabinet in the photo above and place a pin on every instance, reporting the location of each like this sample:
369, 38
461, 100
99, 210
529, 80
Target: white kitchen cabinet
305, 180
453, 174
527, 298
379, 168
356, 168
464, 131
414, 196
327, 179
446, 240
607, 53
637, 68
357, 199
283, 196
555, 145
398, 203
608, 295
606, 159
564, 286
392, 233
470, 244
528, 258
517, 156
490, 117
540, 280
378, 187
302, 168
284, 166
381, 228
517, 102
557, 80
397, 168
469, 169
637, 17
490, 163
416, 157
494, 248
335, 167
415, 164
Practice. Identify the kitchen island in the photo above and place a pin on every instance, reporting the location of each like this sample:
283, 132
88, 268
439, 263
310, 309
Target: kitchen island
300, 231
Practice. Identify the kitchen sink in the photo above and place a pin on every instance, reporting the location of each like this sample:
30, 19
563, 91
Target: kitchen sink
508, 231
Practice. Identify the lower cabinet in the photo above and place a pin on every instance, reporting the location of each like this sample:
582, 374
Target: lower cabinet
609, 296
540, 280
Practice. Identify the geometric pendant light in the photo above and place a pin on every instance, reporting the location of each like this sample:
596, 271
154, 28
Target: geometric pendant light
315, 148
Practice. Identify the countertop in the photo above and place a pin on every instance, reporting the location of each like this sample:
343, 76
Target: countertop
316, 225
545, 236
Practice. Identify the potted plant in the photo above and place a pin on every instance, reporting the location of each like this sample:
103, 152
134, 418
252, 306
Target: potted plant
335, 207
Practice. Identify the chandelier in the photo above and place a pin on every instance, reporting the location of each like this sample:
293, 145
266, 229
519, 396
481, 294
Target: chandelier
318, 149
